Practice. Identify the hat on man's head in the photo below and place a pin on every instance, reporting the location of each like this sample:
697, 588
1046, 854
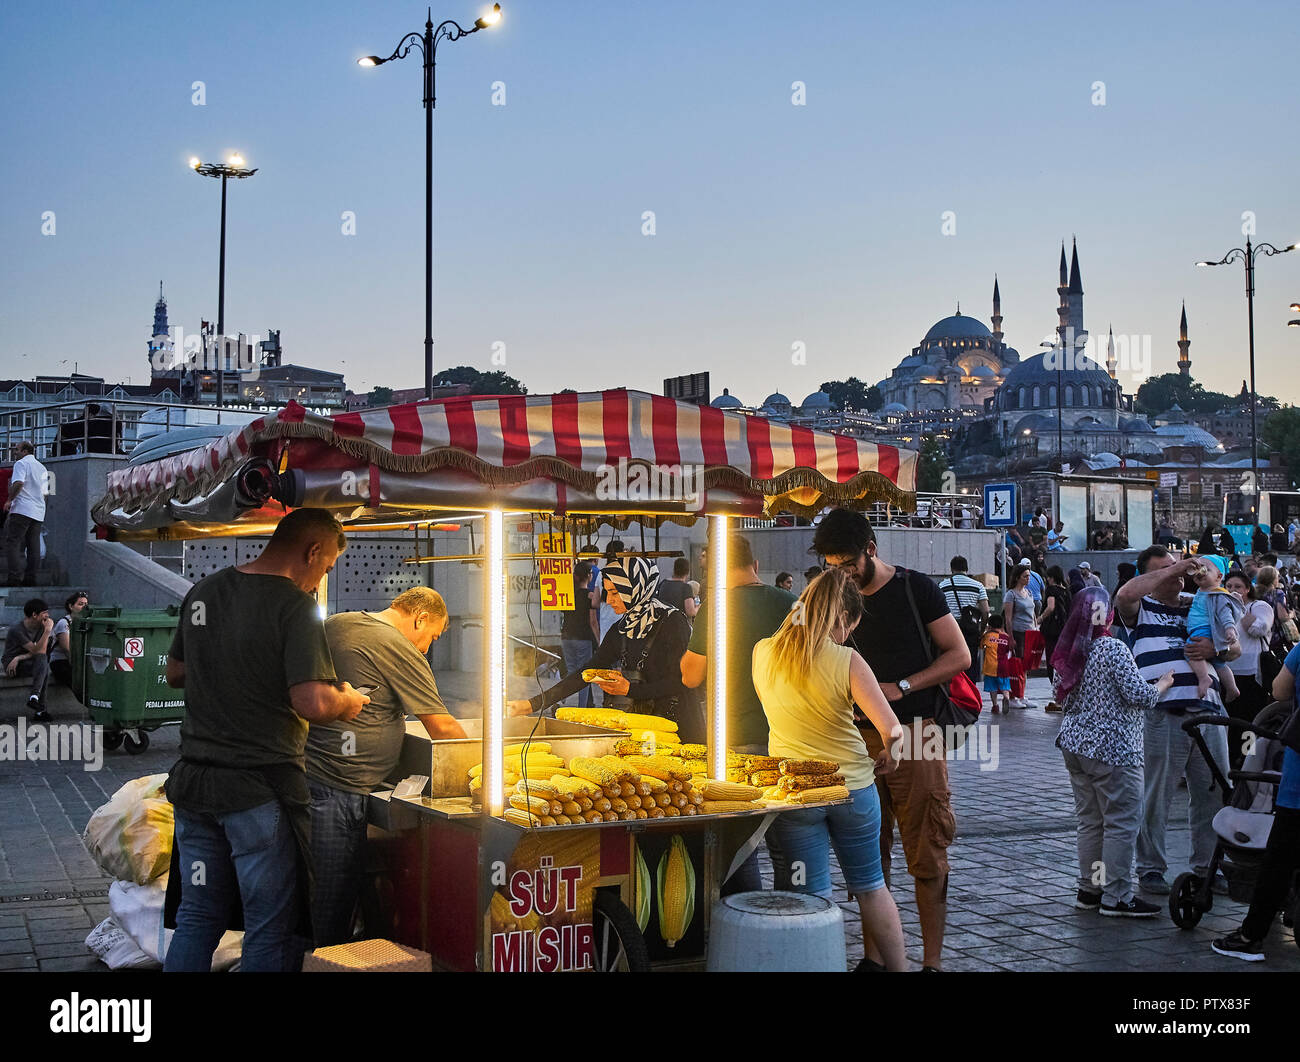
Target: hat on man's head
1085, 566
1025, 562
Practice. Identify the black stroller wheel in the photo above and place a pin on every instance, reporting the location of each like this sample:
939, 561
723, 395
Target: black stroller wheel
1183, 908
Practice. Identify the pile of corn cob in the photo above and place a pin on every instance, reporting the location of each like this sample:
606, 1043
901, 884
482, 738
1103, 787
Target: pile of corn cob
606, 789
799, 781
652, 729
531, 759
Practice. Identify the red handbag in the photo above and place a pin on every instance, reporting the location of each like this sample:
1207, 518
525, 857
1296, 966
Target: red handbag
1035, 643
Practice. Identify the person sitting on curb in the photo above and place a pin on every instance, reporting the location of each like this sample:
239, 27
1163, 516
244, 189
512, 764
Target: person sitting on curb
27, 653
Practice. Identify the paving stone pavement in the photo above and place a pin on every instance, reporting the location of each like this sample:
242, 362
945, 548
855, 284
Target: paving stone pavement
1010, 893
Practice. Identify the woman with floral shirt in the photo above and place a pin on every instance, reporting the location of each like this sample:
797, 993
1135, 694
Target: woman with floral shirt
1104, 697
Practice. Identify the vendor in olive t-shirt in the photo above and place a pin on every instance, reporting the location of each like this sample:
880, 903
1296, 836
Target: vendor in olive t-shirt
383, 653
251, 655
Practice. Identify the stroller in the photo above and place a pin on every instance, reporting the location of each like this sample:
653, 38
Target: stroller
1243, 824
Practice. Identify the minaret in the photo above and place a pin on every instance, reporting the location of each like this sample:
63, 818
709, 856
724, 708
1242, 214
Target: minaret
1063, 310
1184, 359
1110, 353
997, 313
1074, 298
161, 354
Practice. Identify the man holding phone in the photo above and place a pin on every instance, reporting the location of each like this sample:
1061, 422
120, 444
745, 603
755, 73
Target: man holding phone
383, 655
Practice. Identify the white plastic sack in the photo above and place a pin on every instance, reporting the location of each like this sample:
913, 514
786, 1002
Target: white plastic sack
138, 910
130, 837
115, 949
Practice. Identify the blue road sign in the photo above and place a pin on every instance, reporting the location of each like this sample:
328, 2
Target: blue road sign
999, 505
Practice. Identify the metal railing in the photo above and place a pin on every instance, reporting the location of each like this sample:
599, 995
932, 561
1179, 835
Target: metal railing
932, 510
64, 429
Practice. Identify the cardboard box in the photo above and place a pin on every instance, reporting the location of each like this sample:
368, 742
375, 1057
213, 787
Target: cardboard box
367, 956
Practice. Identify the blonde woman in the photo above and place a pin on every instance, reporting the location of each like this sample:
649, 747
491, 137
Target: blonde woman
808, 682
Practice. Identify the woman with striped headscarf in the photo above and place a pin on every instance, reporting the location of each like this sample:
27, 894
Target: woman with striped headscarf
645, 645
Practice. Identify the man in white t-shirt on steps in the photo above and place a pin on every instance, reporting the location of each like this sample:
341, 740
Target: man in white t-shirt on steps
25, 505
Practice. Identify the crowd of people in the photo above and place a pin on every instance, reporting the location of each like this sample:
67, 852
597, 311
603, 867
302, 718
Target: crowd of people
277, 757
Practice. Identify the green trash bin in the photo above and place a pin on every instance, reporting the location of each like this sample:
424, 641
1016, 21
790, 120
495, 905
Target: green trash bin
119, 672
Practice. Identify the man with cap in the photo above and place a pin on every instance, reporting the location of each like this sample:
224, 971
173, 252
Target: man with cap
1090, 578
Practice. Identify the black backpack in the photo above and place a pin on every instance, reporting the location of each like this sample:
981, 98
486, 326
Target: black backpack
970, 619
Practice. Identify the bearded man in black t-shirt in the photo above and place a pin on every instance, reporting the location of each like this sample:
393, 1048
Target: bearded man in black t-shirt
916, 793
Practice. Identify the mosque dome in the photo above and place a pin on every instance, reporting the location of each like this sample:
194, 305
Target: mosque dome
726, 400
958, 326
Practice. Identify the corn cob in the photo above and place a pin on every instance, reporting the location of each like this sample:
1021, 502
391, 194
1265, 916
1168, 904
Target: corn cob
677, 787
764, 778
532, 746
808, 767
633, 747
757, 763
793, 783
641, 813
664, 799
593, 770
696, 766
592, 816
671, 811
515, 763
633, 721
521, 818
548, 820
574, 787
627, 816
619, 805
584, 803
738, 774
502, 916
676, 881
562, 820
690, 809
816, 796
619, 765
656, 813
657, 785
626, 789
691, 751
660, 767
600, 804
727, 791
633, 802
571, 808
590, 716
695, 797
642, 787
721, 807
537, 788
610, 816
539, 806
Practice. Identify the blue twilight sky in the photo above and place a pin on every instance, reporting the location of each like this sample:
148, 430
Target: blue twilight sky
775, 224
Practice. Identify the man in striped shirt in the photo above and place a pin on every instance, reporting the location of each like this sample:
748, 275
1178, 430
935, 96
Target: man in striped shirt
1153, 606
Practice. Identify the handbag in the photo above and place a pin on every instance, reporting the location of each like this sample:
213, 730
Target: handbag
958, 701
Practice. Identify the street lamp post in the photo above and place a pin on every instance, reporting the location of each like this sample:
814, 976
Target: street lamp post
428, 42
232, 167
1248, 256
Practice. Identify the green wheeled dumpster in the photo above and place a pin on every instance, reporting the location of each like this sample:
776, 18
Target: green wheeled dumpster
119, 672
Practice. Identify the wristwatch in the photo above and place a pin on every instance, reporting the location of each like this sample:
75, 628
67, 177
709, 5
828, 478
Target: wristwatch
904, 686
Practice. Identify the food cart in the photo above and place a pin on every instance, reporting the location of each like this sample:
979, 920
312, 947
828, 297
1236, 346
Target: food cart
464, 882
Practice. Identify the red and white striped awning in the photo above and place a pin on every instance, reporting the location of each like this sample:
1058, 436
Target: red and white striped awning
505, 443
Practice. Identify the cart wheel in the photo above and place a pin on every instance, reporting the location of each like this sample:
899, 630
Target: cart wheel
112, 739
133, 746
1183, 908
620, 947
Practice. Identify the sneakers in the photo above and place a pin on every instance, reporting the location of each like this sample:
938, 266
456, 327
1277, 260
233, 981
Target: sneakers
1154, 883
1087, 901
1052, 706
1235, 946
1135, 908
865, 965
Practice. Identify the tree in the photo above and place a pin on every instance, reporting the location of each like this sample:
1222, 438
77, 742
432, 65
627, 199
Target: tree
1281, 432
931, 465
480, 383
380, 396
875, 400
1161, 392
847, 394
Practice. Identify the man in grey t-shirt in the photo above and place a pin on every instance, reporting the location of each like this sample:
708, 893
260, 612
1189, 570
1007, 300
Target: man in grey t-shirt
383, 653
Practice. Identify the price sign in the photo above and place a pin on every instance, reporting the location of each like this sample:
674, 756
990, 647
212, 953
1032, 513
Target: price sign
556, 583
554, 545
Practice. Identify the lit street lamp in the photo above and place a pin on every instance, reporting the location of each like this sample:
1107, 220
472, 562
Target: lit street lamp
232, 167
428, 42
1295, 308
1248, 256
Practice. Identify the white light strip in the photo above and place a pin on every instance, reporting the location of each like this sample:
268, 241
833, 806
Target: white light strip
718, 650
494, 661
323, 596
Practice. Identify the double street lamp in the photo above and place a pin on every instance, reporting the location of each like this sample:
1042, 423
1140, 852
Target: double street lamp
427, 42
1248, 256
233, 167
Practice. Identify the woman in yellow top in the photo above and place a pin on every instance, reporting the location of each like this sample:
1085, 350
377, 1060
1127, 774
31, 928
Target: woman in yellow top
808, 682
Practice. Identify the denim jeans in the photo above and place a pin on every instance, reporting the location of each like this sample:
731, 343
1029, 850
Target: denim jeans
22, 533
250, 855
38, 667
1170, 753
577, 652
1108, 805
338, 838
805, 837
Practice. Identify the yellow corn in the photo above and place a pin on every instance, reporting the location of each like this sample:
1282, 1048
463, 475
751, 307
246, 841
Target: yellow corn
537, 788
571, 787
517, 749
657, 785
690, 752
816, 796
727, 791
690, 809
808, 767
521, 818
721, 807
536, 760
696, 766
633, 721
662, 767
676, 880
593, 770
539, 806
606, 717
